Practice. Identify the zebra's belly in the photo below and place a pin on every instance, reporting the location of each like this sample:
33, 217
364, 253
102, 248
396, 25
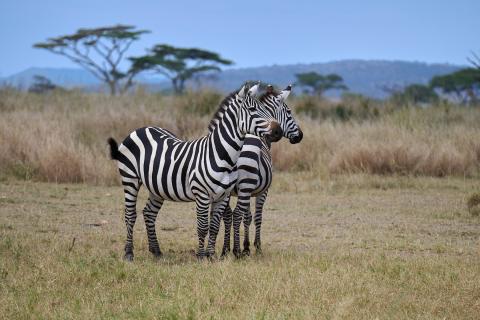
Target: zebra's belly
259, 189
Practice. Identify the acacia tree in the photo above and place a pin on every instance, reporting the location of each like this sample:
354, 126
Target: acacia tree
41, 84
318, 84
179, 64
464, 84
100, 51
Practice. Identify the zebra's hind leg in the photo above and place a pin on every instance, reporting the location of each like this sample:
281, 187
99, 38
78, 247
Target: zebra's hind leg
259, 202
241, 208
150, 212
227, 221
247, 220
130, 187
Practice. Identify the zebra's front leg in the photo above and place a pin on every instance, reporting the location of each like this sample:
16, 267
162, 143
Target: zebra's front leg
259, 202
218, 208
247, 220
240, 210
227, 221
202, 225
150, 215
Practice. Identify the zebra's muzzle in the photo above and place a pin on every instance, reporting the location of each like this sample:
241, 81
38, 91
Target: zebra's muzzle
297, 138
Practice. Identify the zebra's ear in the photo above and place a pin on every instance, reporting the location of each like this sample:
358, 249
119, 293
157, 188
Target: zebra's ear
254, 90
285, 92
269, 89
242, 92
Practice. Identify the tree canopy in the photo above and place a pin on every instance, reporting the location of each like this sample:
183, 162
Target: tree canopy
100, 51
318, 84
179, 64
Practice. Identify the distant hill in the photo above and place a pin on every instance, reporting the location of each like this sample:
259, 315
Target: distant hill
65, 77
367, 77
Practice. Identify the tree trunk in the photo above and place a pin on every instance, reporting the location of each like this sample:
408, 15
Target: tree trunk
175, 85
113, 87
178, 85
181, 86
472, 97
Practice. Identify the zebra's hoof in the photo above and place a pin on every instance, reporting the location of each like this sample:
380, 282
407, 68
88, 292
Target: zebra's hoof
225, 252
237, 254
258, 247
210, 257
156, 253
128, 257
246, 252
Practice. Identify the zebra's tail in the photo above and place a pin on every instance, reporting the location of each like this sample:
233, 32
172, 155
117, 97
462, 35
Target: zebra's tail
114, 153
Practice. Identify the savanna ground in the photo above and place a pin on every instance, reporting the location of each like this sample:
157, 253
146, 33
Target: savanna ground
367, 218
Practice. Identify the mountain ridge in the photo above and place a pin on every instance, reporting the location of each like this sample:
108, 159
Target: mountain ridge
367, 77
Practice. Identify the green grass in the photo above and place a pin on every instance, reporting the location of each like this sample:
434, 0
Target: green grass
347, 247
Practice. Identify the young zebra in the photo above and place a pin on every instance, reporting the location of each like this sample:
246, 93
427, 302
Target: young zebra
255, 172
202, 170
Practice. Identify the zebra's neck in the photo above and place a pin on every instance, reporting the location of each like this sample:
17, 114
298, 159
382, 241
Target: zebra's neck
226, 138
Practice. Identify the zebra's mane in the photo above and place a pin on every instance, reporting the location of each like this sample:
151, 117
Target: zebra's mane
268, 94
220, 111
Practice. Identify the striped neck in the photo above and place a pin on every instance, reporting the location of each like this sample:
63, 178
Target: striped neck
225, 135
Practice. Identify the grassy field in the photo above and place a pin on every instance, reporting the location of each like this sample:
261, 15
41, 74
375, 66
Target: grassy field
367, 217
346, 247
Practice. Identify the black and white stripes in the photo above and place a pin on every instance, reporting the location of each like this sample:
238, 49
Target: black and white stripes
202, 170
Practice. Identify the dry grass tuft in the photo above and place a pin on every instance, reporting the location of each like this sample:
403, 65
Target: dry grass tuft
389, 147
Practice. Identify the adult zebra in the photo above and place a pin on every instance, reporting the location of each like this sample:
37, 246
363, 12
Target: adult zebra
202, 170
255, 172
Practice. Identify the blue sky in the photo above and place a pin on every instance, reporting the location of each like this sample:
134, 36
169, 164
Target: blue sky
254, 33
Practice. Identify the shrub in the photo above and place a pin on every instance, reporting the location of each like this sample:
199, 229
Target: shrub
473, 204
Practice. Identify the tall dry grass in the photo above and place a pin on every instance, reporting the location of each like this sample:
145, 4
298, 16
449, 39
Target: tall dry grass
62, 136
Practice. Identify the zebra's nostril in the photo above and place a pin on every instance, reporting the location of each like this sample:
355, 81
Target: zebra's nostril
297, 138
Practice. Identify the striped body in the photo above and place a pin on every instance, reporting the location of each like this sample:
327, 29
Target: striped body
176, 170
